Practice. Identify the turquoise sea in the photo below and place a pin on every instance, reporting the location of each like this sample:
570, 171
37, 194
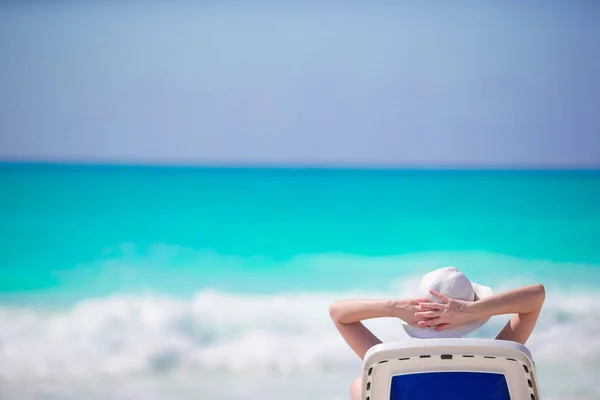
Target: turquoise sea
123, 282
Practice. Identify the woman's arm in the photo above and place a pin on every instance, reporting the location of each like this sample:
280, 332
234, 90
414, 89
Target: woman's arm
525, 303
348, 314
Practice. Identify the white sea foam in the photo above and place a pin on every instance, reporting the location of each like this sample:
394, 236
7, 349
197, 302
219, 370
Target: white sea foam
149, 346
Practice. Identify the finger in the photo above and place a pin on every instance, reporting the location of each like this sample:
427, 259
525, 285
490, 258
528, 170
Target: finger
427, 314
443, 327
428, 323
440, 296
431, 306
421, 300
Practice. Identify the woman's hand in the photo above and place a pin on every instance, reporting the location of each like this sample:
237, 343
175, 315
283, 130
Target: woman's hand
448, 314
408, 310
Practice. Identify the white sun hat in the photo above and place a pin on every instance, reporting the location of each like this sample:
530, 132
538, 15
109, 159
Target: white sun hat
451, 282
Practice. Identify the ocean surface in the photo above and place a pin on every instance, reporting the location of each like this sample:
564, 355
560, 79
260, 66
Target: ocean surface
195, 283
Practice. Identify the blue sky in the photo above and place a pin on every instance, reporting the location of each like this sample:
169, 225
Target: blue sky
385, 84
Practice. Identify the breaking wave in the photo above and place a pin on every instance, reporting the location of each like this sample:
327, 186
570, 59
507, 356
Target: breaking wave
226, 337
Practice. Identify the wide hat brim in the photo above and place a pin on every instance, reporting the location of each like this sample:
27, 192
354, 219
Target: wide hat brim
460, 331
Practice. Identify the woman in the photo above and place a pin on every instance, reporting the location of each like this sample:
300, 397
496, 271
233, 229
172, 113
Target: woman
452, 306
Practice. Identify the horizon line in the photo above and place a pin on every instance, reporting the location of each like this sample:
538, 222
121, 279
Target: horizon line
296, 166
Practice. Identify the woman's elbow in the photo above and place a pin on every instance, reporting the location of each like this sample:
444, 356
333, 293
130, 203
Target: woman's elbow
540, 293
335, 311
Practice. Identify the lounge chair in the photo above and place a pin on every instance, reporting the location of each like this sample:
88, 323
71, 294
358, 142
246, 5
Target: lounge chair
449, 369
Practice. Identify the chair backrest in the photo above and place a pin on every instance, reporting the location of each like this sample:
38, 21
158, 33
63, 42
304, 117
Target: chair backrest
449, 369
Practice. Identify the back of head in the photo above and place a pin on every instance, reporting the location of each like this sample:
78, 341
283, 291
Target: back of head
449, 281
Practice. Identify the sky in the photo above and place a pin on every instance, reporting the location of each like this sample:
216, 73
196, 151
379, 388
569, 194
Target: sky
471, 83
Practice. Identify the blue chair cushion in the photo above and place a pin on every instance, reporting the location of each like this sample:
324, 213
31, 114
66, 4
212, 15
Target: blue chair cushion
449, 386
